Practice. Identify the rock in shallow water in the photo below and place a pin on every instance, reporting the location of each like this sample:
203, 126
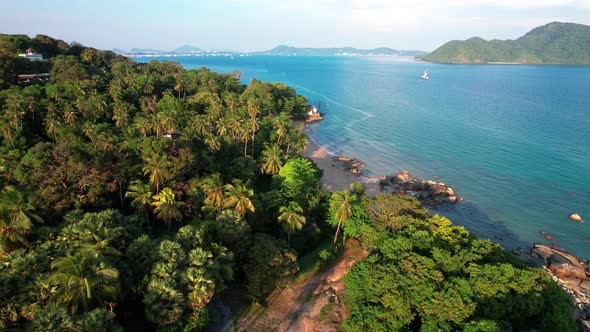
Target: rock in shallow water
576, 217
428, 191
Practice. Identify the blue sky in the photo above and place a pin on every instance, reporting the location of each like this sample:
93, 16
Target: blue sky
262, 24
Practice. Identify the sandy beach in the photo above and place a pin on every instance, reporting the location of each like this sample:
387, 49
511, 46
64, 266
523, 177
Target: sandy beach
336, 178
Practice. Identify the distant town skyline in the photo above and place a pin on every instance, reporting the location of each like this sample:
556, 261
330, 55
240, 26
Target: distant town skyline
258, 25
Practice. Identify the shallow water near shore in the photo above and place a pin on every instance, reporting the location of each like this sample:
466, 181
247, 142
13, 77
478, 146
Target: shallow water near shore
514, 141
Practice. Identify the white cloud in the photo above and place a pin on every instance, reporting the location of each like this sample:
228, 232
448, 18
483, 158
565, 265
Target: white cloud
390, 16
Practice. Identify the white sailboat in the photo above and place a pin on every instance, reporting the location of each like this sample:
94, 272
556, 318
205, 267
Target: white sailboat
425, 76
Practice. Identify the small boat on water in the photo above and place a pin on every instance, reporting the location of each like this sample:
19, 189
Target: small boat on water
425, 76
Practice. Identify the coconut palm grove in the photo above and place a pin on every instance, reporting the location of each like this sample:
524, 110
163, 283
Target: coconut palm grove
135, 195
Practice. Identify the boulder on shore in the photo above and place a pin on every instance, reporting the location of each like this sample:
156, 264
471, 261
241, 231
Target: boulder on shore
427, 191
350, 164
569, 272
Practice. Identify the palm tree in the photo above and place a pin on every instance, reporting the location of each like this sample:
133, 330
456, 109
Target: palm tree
166, 207
200, 125
156, 167
214, 192
280, 125
52, 125
8, 131
271, 160
213, 142
15, 108
291, 219
245, 136
238, 197
121, 114
200, 288
157, 123
82, 280
253, 111
142, 124
16, 215
222, 127
141, 193
70, 115
341, 202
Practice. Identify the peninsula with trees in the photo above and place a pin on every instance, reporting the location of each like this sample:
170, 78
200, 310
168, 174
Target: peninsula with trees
150, 197
553, 43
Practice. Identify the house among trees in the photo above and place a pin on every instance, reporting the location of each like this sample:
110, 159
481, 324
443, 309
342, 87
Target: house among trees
30, 78
171, 133
31, 56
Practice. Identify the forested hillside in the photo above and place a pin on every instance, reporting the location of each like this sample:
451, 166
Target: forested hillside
553, 43
132, 194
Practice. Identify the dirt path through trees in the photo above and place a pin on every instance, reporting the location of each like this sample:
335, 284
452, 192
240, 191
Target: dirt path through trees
310, 305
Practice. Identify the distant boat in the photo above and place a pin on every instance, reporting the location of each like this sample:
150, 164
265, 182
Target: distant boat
425, 76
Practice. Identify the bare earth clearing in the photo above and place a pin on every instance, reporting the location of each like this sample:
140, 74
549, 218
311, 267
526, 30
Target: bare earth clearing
310, 305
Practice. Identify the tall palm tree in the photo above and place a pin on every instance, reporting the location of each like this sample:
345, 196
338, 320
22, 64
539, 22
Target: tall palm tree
168, 120
291, 219
271, 160
121, 114
142, 124
16, 216
156, 121
82, 280
166, 207
341, 202
280, 125
300, 143
253, 110
14, 109
156, 167
8, 131
214, 193
52, 126
245, 136
141, 193
238, 197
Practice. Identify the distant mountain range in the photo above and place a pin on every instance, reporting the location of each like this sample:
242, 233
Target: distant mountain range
289, 50
553, 43
184, 49
279, 50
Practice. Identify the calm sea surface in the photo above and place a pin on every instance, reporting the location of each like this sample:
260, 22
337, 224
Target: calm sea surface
514, 141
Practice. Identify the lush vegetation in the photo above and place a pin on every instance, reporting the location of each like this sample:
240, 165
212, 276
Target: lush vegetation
425, 274
144, 189
131, 194
554, 43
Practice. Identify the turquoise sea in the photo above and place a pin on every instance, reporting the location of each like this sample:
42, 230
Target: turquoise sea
514, 141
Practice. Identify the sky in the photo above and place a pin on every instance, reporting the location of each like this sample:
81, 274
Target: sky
257, 25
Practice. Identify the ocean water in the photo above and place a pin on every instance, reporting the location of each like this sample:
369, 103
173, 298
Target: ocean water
514, 141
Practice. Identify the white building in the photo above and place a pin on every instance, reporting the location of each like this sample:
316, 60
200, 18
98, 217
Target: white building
31, 56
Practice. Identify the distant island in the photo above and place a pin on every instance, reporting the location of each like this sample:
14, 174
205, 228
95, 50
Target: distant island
290, 50
279, 50
553, 43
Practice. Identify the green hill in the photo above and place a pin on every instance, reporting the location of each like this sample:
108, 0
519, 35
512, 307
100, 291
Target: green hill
553, 43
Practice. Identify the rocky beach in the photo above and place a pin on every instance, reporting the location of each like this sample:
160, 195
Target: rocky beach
570, 272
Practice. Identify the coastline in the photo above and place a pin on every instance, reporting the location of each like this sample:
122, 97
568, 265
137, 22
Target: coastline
335, 177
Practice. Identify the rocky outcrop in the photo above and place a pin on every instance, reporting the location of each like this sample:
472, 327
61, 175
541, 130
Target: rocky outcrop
350, 164
568, 271
427, 191
576, 217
